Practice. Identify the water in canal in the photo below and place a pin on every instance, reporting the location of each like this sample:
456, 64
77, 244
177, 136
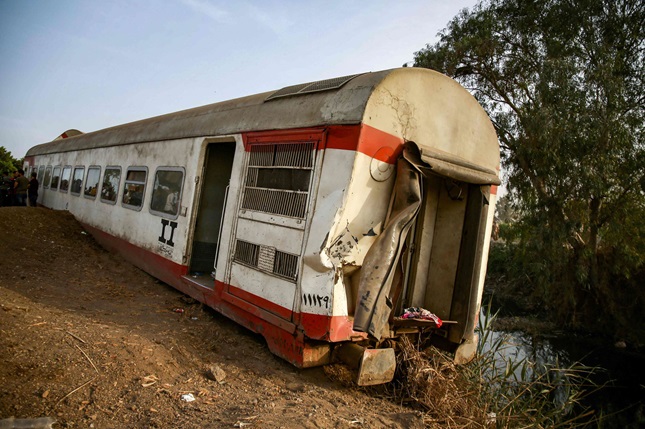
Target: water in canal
621, 372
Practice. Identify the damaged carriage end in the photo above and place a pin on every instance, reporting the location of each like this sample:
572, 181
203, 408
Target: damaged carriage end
390, 277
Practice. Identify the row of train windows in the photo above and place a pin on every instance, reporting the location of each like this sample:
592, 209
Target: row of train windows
166, 191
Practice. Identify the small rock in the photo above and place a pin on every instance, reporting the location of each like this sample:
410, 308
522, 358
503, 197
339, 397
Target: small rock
296, 387
216, 373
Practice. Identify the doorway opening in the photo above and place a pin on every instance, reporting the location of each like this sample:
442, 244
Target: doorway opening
210, 212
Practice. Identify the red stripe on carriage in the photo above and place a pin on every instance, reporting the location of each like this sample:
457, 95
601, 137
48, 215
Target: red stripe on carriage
360, 138
314, 326
380, 145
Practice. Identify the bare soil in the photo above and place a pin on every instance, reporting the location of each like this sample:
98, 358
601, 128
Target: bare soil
91, 341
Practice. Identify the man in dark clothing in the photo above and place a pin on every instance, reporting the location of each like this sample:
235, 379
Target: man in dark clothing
33, 190
6, 184
20, 187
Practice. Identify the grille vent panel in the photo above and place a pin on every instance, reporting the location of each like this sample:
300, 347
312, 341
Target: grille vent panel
278, 177
307, 88
246, 253
267, 259
285, 203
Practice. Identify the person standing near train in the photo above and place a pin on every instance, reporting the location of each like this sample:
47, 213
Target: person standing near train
32, 191
6, 185
20, 185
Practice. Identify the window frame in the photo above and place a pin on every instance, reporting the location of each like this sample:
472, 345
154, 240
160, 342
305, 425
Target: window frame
46, 182
118, 185
143, 191
57, 177
73, 179
179, 197
40, 175
98, 182
60, 185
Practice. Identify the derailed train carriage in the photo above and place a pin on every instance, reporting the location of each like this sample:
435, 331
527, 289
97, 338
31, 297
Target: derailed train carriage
313, 215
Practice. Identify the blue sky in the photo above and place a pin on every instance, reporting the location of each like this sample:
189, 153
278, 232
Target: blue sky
90, 65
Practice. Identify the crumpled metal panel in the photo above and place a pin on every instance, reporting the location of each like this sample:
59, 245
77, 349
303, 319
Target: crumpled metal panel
379, 267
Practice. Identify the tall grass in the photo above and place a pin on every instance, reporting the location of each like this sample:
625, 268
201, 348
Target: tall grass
521, 392
498, 389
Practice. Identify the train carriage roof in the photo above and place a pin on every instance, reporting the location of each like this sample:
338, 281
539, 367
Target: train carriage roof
418, 105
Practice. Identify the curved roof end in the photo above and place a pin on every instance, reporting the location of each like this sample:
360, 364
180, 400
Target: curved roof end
69, 133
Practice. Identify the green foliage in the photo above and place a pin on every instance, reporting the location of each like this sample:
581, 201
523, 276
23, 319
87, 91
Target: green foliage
8, 162
568, 105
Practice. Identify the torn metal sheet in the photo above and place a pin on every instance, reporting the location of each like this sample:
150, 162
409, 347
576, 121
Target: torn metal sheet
378, 273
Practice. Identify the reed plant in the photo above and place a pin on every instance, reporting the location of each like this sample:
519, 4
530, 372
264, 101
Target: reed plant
519, 391
498, 389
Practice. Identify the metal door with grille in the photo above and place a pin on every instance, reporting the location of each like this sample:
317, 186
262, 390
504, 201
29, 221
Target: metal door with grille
271, 220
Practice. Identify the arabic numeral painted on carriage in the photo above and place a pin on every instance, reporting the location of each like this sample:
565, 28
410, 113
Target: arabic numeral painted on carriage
316, 300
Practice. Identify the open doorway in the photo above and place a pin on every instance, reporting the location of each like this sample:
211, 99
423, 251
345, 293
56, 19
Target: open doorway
212, 204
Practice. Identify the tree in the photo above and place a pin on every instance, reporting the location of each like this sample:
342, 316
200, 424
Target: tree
563, 82
8, 162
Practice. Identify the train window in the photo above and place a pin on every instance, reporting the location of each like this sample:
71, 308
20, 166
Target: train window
55, 178
92, 182
41, 171
278, 178
48, 176
166, 192
77, 180
134, 187
64, 178
110, 187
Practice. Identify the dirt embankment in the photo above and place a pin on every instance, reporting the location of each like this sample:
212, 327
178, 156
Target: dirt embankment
91, 341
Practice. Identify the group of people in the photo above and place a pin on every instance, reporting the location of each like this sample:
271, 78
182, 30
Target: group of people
15, 189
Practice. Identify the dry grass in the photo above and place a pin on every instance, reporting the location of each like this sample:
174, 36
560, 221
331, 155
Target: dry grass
426, 380
480, 394
430, 380
497, 389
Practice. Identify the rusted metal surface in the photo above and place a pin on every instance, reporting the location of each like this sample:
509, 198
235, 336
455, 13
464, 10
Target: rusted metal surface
372, 366
341, 106
377, 367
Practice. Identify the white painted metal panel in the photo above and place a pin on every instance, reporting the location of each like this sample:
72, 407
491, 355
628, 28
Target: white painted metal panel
316, 284
361, 215
140, 228
436, 113
318, 269
283, 239
271, 288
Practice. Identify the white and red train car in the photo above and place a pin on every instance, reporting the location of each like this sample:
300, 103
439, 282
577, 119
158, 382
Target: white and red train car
312, 215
